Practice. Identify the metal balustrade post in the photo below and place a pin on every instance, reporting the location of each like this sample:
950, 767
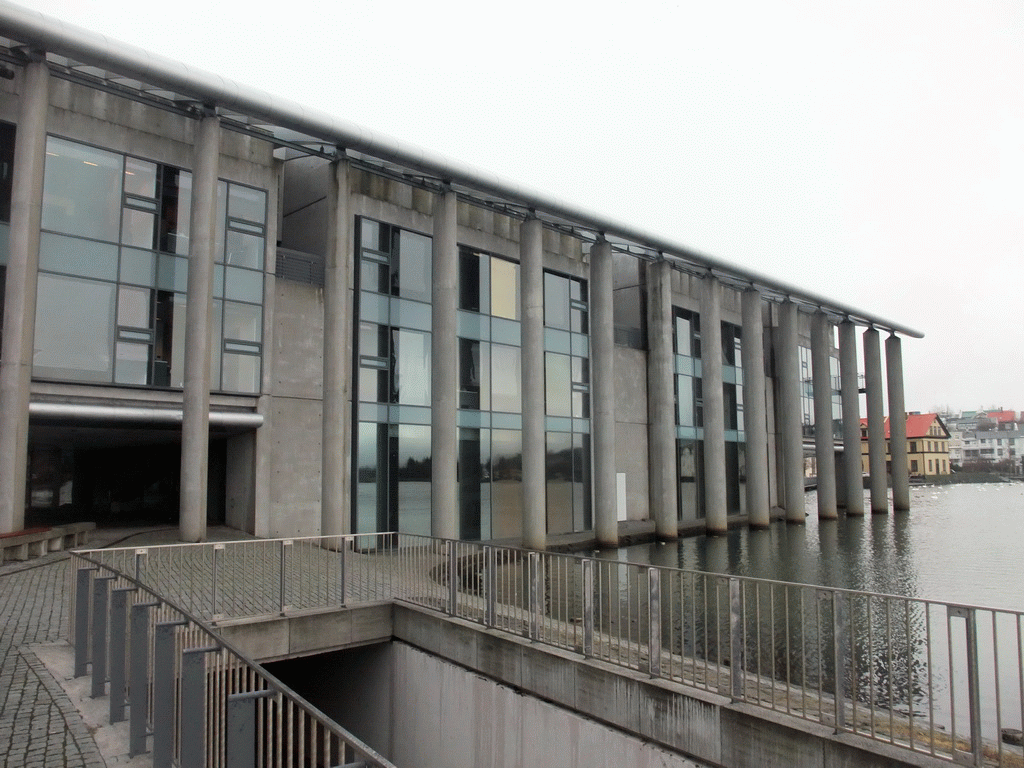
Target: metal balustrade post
654, 624
588, 607
346, 542
841, 652
969, 615
282, 585
240, 741
193, 705
490, 583
535, 603
138, 712
140, 557
164, 692
83, 583
453, 585
118, 652
218, 552
100, 601
736, 638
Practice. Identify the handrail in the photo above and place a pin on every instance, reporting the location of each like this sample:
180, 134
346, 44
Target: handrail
234, 683
932, 677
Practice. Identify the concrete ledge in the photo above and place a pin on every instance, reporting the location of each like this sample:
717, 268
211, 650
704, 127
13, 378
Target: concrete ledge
699, 724
36, 542
305, 633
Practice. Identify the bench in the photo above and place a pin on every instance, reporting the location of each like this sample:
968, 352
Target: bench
36, 542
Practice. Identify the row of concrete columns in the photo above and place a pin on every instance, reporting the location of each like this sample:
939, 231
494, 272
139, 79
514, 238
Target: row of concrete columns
338, 416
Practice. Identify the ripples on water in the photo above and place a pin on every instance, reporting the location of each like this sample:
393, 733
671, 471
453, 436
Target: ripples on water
958, 543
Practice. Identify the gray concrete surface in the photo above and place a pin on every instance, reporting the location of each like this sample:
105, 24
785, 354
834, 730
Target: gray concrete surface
49, 716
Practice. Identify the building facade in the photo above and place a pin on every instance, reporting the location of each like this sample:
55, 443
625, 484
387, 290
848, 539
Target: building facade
928, 445
221, 309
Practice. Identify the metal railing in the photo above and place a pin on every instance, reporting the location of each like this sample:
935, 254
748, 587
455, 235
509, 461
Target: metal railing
941, 679
191, 698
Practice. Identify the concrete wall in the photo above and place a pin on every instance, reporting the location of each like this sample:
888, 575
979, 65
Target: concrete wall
631, 444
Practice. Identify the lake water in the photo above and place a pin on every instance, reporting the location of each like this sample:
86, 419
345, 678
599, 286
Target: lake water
958, 543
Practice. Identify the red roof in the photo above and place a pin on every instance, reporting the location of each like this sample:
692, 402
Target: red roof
918, 424
1002, 417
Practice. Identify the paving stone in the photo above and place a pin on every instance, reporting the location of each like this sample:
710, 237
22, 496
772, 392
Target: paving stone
46, 729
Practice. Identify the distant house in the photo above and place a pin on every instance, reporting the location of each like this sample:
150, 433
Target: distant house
927, 445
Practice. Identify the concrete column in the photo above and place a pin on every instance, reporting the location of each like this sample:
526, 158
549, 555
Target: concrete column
195, 427
791, 432
755, 415
715, 497
876, 421
824, 442
444, 444
19, 320
602, 367
851, 418
897, 424
531, 296
661, 402
336, 459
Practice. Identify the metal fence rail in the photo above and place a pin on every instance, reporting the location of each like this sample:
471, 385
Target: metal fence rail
941, 679
190, 698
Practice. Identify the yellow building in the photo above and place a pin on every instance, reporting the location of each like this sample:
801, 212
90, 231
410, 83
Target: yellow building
927, 445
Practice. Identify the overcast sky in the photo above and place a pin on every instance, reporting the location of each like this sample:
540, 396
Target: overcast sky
872, 152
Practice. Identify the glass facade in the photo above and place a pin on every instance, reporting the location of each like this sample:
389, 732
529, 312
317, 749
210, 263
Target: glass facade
567, 404
113, 273
393, 372
490, 397
690, 415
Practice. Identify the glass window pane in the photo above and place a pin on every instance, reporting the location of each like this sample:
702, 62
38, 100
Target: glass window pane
74, 329
132, 363
506, 483
247, 203
506, 381
138, 267
82, 190
241, 373
556, 301
684, 401
474, 374
559, 473
411, 382
369, 477
172, 273
216, 346
558, 385
222, 209
374, 276
175, 210
474, 484
133, 308
139, 177
243, 322
414, 266
412, 475
72, 256
244, 249
469, 280
504, 288
169, 339
243, 284
582, 514
370, 235
691, 479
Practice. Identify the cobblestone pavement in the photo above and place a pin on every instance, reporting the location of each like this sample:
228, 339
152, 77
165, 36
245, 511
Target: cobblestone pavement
44, 726
46, 731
